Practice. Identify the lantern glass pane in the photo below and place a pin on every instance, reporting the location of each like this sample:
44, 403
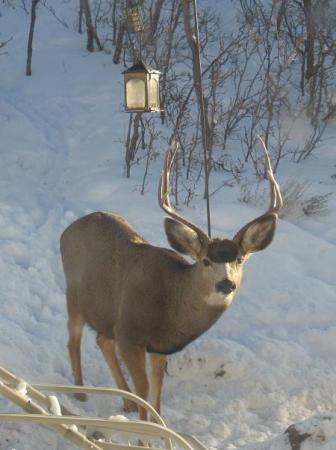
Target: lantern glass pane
153, 93
135, 94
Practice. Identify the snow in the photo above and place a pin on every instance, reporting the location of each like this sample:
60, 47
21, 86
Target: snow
270, 361
318, 432
55, 407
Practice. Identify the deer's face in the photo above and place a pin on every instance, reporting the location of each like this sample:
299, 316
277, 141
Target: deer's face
221, 261
223, 266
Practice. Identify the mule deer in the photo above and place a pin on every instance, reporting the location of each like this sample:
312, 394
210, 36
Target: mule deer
144, 298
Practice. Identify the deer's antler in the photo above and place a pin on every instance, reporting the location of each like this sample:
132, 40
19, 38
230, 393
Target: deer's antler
163, 193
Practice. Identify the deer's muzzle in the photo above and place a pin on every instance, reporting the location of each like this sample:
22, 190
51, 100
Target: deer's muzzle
225, 286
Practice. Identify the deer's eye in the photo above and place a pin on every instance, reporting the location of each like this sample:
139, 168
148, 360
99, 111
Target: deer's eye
239, 261
206, 262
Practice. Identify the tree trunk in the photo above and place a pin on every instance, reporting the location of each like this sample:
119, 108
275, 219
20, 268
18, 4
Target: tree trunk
114, 23
30, 37
310, 39
197, 78
132, 142
150, 35
91, 32
119, 44
80, 17
197, 74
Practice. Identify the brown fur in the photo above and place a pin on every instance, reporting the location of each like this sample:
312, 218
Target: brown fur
145, 298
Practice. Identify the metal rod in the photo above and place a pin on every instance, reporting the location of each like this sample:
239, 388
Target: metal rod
102, 391
30, 406
138, 428
202, 110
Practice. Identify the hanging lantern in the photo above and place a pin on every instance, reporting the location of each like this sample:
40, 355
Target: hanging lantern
141, 84
134, 19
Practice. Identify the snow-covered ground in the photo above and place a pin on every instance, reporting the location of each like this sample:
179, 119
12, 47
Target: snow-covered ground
269, 362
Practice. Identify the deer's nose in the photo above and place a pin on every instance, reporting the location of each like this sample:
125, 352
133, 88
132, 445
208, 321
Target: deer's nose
225, 286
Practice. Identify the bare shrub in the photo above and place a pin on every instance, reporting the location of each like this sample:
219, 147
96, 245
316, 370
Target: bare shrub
316, 205
250, 193
3, 44
297, 202
293, 193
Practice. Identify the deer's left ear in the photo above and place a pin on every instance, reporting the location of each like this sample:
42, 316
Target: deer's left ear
256, 235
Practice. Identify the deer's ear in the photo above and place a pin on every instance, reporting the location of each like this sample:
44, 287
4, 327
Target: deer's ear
257, 235
183, 239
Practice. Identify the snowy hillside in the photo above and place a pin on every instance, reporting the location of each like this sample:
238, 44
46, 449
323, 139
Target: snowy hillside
269, 362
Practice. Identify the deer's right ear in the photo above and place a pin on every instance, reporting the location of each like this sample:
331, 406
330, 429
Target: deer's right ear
183, 239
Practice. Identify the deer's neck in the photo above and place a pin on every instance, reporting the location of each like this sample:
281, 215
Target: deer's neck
200, 296
193, 309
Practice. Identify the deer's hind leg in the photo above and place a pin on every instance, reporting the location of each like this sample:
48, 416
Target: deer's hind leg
75, 329
107, 346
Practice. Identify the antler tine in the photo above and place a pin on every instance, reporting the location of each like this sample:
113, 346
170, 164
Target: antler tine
163, 197
276, 197
163, 193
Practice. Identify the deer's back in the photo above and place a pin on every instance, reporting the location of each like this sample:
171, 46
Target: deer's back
97, 250
97, 237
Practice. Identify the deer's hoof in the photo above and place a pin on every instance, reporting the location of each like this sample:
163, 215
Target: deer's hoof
130, 406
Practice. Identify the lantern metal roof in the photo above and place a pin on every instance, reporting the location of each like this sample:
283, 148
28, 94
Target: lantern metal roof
141, 67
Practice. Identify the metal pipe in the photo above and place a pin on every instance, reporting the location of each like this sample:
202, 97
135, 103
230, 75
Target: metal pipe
135, 427
102, 391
